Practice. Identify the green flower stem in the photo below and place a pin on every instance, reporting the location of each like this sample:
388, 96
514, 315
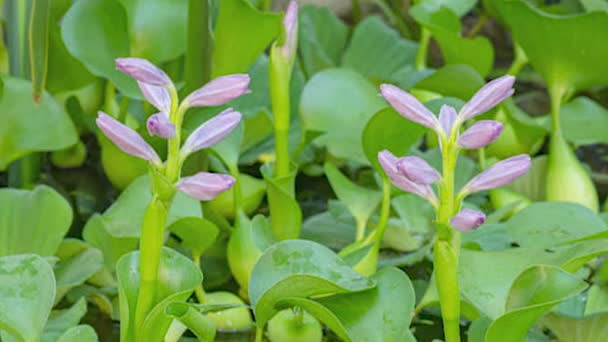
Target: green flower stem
385, 211
174, 159
265, 5
425, 38
199, 291
356, 4
556, 93
150, 247
519, 62
259, 334
280, 77
447, 246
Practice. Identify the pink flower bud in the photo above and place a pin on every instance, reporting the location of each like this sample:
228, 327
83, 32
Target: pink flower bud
488, 97
212, 131
481, 134
409, 107
159, 125
159, 97
418, 170
290, 23
126, 139
219, 91
205, 186
143, 71
389, 164
447, 117
499, 174
467, 220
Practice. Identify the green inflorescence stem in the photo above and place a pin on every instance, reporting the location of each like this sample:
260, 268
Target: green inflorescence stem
280, 77
425, 39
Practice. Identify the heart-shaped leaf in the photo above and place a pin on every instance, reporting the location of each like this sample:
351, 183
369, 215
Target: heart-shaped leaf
96, 233
459, 80
35, 221
80, 333
584, 122
77, 262
61, 321
197, 234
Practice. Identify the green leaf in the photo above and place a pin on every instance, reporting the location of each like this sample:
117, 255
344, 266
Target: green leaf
334, 228
321, 40
534, 292
338, 103
157, 28
26, 296
361, 202
27, 127
252, 192
460, 7
96, 32
565, 50
547, 224
35, 221
241, 34
197, 234
77, 262
579, 329
444, 24
191, 317
387, 130
286, 215
460, 81
124, 218
96, 233
61, 321
378, 52
80, 333
533, 184
299, 268
368, 315
584, 122
39, 31
177, 278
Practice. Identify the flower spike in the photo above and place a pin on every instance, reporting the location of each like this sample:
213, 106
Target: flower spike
447, 117
143, 71
159, 97
418, 170
481, 134
219, 91
290, 23
409, 107
205, 186
212, 131
159, 125
126, 138
499, 174
488, 97
389, 163
467, 220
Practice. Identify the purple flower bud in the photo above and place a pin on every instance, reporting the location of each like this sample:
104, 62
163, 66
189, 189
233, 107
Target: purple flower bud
467, 220
143, 71
488, 96
205, 186
418, 170
499, 174
219, 91
159, 97
212, 131
409, 107
447, 117
389, 163
290, 23
481, 134
126, 139
159, 125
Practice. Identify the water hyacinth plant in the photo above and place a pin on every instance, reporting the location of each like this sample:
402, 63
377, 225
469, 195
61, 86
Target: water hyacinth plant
413, 174
303, 170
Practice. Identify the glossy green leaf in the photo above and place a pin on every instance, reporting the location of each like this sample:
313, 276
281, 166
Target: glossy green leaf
584, 122
77, 262
322, 38
417, 217
533, 184
27, 127
241, 34
534, 292
80, 333
35, 221
387, 130
95, 232
63, 320
339, 103
565, 50
367, 315
334, 228
460, 81
460, 7
444, 25
197, 234
378, 52
26, 296
39, 29
177, 278
192, 318
286, 215
583, 329
124, 217
299, 268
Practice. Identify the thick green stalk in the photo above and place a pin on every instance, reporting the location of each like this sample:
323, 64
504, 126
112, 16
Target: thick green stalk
280, 77
356, 4
425, 38
150, 246
519, 62
199, 291
199, 51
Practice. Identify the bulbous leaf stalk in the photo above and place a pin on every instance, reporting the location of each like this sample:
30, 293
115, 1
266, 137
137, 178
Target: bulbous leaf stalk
467, 220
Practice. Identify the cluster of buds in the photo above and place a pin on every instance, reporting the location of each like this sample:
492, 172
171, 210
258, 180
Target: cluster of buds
415, 175
159, 90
